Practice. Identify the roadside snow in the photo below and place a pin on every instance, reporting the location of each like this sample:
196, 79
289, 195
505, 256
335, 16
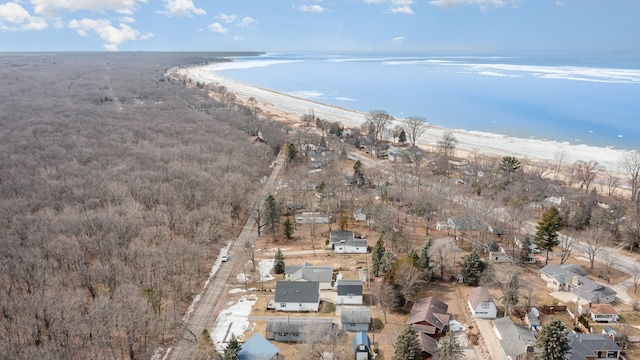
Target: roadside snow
232, 320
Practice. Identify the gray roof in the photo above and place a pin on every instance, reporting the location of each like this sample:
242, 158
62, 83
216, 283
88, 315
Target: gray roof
346, 287
355, 316
357, 242
337, 236
293, 326
290, 269
308, 272
588, 344
295, 291
581, 284
514, 338
257, 348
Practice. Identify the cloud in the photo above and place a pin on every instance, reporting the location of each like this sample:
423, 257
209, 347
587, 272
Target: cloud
127, 19
374, 1
311, 8
404, 9
449, 4
246, 22
180, 8
217, 27
50, 7
395, 6
226, 18
19, 18
399, 40
111, 35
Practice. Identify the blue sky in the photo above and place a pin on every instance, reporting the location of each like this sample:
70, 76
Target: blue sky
320, 25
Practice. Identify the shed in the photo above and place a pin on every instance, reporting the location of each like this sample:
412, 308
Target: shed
355, 319
289, 330
361, 346
481, 304
258, 348
355, 246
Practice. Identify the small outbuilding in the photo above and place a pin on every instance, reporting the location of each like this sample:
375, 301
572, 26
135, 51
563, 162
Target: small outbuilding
258, 348
481, 304
361, 346
355, 319
349, 292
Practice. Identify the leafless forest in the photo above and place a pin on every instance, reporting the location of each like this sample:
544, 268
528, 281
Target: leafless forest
118, 186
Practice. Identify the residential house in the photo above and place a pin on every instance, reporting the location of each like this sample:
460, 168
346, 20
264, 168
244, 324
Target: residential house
258, 348
602, 313
481, 304
572, 278
312, 218
429, 316
591, 347
361, 346
516, 341
428, 345
466, 223
349, 291
309, 272
297, 296
360, 215
621, 340
499, 257
355, 246
355, 319
289, 330
340, 237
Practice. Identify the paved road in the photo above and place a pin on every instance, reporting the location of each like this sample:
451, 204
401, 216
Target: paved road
204, 314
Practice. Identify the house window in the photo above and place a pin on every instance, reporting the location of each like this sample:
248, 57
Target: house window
283, 305
350, 296
353, 324
612, 355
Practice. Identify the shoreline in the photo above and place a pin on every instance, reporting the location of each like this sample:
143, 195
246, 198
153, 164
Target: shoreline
290, 108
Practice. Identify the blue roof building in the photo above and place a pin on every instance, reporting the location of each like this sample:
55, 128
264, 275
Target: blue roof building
361, 346
258, 348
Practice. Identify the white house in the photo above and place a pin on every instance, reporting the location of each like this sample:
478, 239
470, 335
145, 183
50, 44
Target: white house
297, 296
355, 246
312, 218
349, 292
602, 313
481, 304
359, 215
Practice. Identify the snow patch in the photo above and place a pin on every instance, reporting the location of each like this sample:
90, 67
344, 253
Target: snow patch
232, 320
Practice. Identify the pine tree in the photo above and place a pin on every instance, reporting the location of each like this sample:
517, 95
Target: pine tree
377, 254
472, 268
231, 351
547, 230
553, 341
358, 175
407, 346
449, 348
287, 228
425, 261
290, 151
414, 258
278, 264
402, 137
271, 215
206, 348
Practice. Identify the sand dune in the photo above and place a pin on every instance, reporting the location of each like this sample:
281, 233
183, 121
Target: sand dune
285, 106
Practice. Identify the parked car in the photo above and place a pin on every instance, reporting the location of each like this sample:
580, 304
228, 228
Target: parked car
224, 257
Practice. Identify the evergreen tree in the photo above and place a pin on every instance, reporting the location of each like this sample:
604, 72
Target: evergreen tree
407, 346
271, 215
387, 263
377, 254
278, 264
449, 348
402, 137
425, 261
525, 249
414, 258
472, 268
290, 151
553, 341
287, 228
206, 348
231, 351
358, 178
547, 230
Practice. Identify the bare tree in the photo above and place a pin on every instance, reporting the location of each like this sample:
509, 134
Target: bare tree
443, 254
407, 277
612, 181
636, 278
592, 246
414, 127
387, 297
567, 243
529, 293
323, 340
630, 166
584, 172
257, 214
447, 144
379, 119
559, 157
609, 258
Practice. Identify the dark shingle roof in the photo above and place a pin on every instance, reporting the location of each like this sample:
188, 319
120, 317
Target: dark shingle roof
588, 344
295, 291
346, 287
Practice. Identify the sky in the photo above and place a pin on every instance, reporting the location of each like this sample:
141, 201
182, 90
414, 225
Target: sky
319, 25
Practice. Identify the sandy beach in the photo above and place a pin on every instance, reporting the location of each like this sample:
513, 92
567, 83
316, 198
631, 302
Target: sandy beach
286, 107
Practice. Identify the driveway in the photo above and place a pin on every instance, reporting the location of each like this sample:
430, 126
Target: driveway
490, 338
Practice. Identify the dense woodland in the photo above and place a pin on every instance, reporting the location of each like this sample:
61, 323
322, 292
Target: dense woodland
118, 186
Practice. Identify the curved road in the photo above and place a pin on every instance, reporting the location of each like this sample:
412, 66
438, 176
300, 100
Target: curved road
204, 314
